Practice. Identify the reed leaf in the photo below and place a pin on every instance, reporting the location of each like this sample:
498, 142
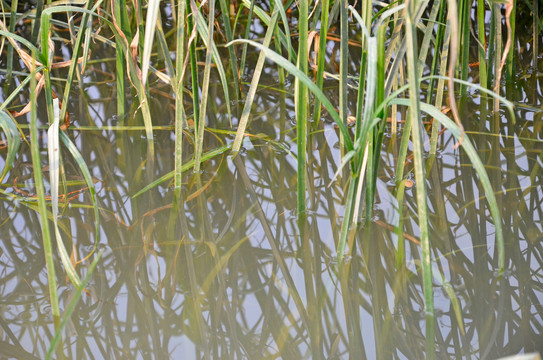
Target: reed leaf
479, 168
13, 139
254, 82
185, 167
291, 68
149, 34
53, 150
42, 205
199, 125
420, 178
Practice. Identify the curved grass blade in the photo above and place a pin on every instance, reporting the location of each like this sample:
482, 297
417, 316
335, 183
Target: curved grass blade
254, 83
291, 68
188, 165
53, 150
88, 180
265, 18
13, 139
479, 168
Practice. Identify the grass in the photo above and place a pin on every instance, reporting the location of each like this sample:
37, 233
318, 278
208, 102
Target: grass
397, 44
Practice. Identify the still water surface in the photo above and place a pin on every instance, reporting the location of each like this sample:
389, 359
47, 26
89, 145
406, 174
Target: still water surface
230, 281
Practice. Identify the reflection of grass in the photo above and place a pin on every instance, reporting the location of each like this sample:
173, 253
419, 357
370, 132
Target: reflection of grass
396, 41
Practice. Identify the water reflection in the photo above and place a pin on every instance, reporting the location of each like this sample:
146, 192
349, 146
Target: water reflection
226, 276
220, 272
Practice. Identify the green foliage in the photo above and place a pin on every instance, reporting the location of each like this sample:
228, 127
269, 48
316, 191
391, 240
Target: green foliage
388, 70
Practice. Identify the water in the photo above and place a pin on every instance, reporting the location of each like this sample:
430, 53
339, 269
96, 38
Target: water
232, 278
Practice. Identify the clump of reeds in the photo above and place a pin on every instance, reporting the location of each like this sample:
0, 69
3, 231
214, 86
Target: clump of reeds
399, 42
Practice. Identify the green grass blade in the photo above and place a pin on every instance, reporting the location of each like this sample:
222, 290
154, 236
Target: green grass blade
420, 178
479, 168
11, 131
187, 166
254, 83
225, 10
37, 25
203, 30
199, 126
149, 35
291, 68
70, 146
12, 23
42, 206
53, 150
325, 9
178, 89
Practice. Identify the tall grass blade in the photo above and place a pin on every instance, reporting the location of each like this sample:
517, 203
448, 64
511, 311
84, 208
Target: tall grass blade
149, 34
42, 206
420, 178
254, 82
119, 11
225, 10
12, 23
37, 25
199, 126
83, 30
178, 89
206, 34
325, 7
479, 168
291, 68
53, 150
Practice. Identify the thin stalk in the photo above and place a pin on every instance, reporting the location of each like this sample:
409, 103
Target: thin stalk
440, 89
246, 37
120, 60
510, 8
464, 13
481, 33
535, 32
225, 10
193, 64
420, 178
205, 89
12, 23
301, 114
42, 205
255, 81
301, 107
325, 8
178, 88
37, 25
